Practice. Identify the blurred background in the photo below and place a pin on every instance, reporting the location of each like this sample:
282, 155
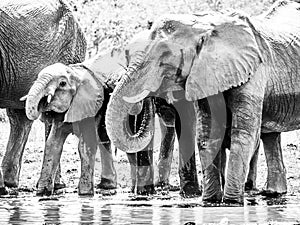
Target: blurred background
109, 24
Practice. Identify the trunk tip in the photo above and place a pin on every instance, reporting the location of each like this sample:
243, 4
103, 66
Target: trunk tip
32, 113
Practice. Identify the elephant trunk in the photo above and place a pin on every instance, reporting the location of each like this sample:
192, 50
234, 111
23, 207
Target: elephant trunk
36, 93
117, 119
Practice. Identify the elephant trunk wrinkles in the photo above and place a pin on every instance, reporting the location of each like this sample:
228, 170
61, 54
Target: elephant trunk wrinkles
117, 116
36, 93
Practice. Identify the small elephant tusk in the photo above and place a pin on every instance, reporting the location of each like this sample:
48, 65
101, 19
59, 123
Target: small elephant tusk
137, 98
170, 97
23, 98
49, 98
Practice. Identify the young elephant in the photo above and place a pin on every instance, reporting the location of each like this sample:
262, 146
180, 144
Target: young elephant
33, 34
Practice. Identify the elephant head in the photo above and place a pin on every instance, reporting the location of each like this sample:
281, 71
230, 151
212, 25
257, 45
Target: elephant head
72, 90
78, 91
200, 54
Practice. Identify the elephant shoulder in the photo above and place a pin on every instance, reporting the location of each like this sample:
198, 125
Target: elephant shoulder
35, 11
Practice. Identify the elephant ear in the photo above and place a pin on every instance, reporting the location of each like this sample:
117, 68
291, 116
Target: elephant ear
87, 100
227, 56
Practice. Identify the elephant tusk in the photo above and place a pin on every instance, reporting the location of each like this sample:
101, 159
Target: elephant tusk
23, 98
137, 98
49, 98
170, 97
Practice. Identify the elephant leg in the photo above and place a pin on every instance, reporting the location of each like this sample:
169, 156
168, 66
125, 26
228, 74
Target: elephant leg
142, 164
20, 127
145, 171
3, 190
108, 171
246, 111
52, 153
141, 172
250, 184
132, 158
165, 158
87, 151
213, 137
167, 115
189, 186
276, 178
57, 181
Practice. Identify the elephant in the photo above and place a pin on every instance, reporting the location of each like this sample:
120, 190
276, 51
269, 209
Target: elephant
34, 34
249, 63
77, 96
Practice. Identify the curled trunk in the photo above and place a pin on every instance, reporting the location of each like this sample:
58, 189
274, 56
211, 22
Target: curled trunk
117, 119
36, 93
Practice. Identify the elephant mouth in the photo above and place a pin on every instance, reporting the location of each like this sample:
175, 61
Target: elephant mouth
168, 74
44, 104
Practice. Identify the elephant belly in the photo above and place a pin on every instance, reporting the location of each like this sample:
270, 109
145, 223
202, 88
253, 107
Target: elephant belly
281, 113
273, 126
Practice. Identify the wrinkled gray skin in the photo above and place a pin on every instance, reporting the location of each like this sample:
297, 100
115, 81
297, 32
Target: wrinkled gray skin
33, 35
77, 96
253, 63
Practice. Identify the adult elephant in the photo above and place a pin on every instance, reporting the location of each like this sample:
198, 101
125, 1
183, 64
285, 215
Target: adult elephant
34, 34
251, 63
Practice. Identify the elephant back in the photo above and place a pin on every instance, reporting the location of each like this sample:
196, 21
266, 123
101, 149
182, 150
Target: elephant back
35, 34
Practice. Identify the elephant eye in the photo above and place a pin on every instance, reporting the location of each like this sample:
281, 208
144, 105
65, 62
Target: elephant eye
62, 83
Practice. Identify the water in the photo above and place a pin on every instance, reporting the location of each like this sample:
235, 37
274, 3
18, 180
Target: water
125, 209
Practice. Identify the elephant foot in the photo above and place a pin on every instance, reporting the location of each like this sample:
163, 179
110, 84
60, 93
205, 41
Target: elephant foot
3, 191
58, 186
165, 186
251, 189
11, 183
190, 190
44, 192
272, 194
107, 192
132, 189
86, 192
85, 188
44, 187
212, 200
174, 187
233, 201
162, 188
250, 186
106, 184
90, 193
10, 170
146, 190
276, 185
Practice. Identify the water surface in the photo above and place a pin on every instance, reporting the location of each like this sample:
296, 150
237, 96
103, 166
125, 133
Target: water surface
125, 209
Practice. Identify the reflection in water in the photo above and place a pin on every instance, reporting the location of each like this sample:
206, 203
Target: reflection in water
16, 217
106, 214
71, 209
87, 213
51, 212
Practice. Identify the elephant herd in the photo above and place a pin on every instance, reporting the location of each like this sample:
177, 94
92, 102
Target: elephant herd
218, 80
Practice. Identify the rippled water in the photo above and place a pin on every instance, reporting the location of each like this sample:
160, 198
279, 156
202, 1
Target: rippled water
123, 209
